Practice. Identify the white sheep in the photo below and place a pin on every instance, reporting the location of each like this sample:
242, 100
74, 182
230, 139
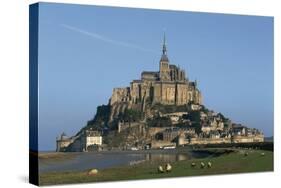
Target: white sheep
202, 165
209, 164
168, 167
93, 172
160, 169
193, 164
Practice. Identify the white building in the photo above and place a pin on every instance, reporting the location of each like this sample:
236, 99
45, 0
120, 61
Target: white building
91, 139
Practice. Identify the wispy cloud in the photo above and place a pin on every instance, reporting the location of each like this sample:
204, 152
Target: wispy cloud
106, 39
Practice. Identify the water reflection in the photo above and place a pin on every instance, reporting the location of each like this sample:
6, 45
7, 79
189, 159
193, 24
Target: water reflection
84, 161
164, 157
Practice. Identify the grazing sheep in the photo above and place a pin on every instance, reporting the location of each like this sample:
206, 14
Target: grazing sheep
262, 154
168, 167
93, 172
209, 164
193, 165
160, 169
202, 165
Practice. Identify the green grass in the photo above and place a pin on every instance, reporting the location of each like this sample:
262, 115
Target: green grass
234, 162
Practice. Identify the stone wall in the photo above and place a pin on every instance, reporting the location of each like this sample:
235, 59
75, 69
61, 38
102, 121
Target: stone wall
125, 125
246, 139
235, 139
168, 93
181, 94
210, 140
157, 93
164, 92
135, 92
63, 144
120, 95
160, 144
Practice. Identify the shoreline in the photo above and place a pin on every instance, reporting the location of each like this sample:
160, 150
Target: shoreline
266, 145
259, 145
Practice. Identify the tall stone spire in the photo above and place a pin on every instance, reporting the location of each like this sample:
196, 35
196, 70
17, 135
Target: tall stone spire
164, 50
164, 56
164, 63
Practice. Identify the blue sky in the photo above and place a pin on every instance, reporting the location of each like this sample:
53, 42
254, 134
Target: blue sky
85, 51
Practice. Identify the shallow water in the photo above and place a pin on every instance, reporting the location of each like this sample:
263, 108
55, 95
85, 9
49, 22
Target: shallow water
103, 160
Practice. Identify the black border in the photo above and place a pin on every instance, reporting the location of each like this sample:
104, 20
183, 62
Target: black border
33, 94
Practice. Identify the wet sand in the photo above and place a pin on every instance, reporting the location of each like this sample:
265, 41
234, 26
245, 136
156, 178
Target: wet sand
78, 161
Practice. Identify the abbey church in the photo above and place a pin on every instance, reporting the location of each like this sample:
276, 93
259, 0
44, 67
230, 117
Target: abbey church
169, 86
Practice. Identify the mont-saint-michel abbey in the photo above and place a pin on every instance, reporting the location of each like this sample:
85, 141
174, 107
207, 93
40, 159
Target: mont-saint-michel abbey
168, 86
162, 109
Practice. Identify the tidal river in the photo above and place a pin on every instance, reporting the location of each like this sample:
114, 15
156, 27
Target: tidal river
61, 162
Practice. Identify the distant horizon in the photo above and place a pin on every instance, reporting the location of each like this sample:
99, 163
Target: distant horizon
85, 51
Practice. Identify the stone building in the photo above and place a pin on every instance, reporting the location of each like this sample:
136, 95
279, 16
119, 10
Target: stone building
170, 134
90, 138
85, 141
62, 142
169, 86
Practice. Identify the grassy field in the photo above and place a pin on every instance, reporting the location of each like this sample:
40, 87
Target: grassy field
234, 162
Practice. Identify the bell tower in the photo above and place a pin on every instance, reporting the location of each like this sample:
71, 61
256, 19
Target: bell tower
164, 63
